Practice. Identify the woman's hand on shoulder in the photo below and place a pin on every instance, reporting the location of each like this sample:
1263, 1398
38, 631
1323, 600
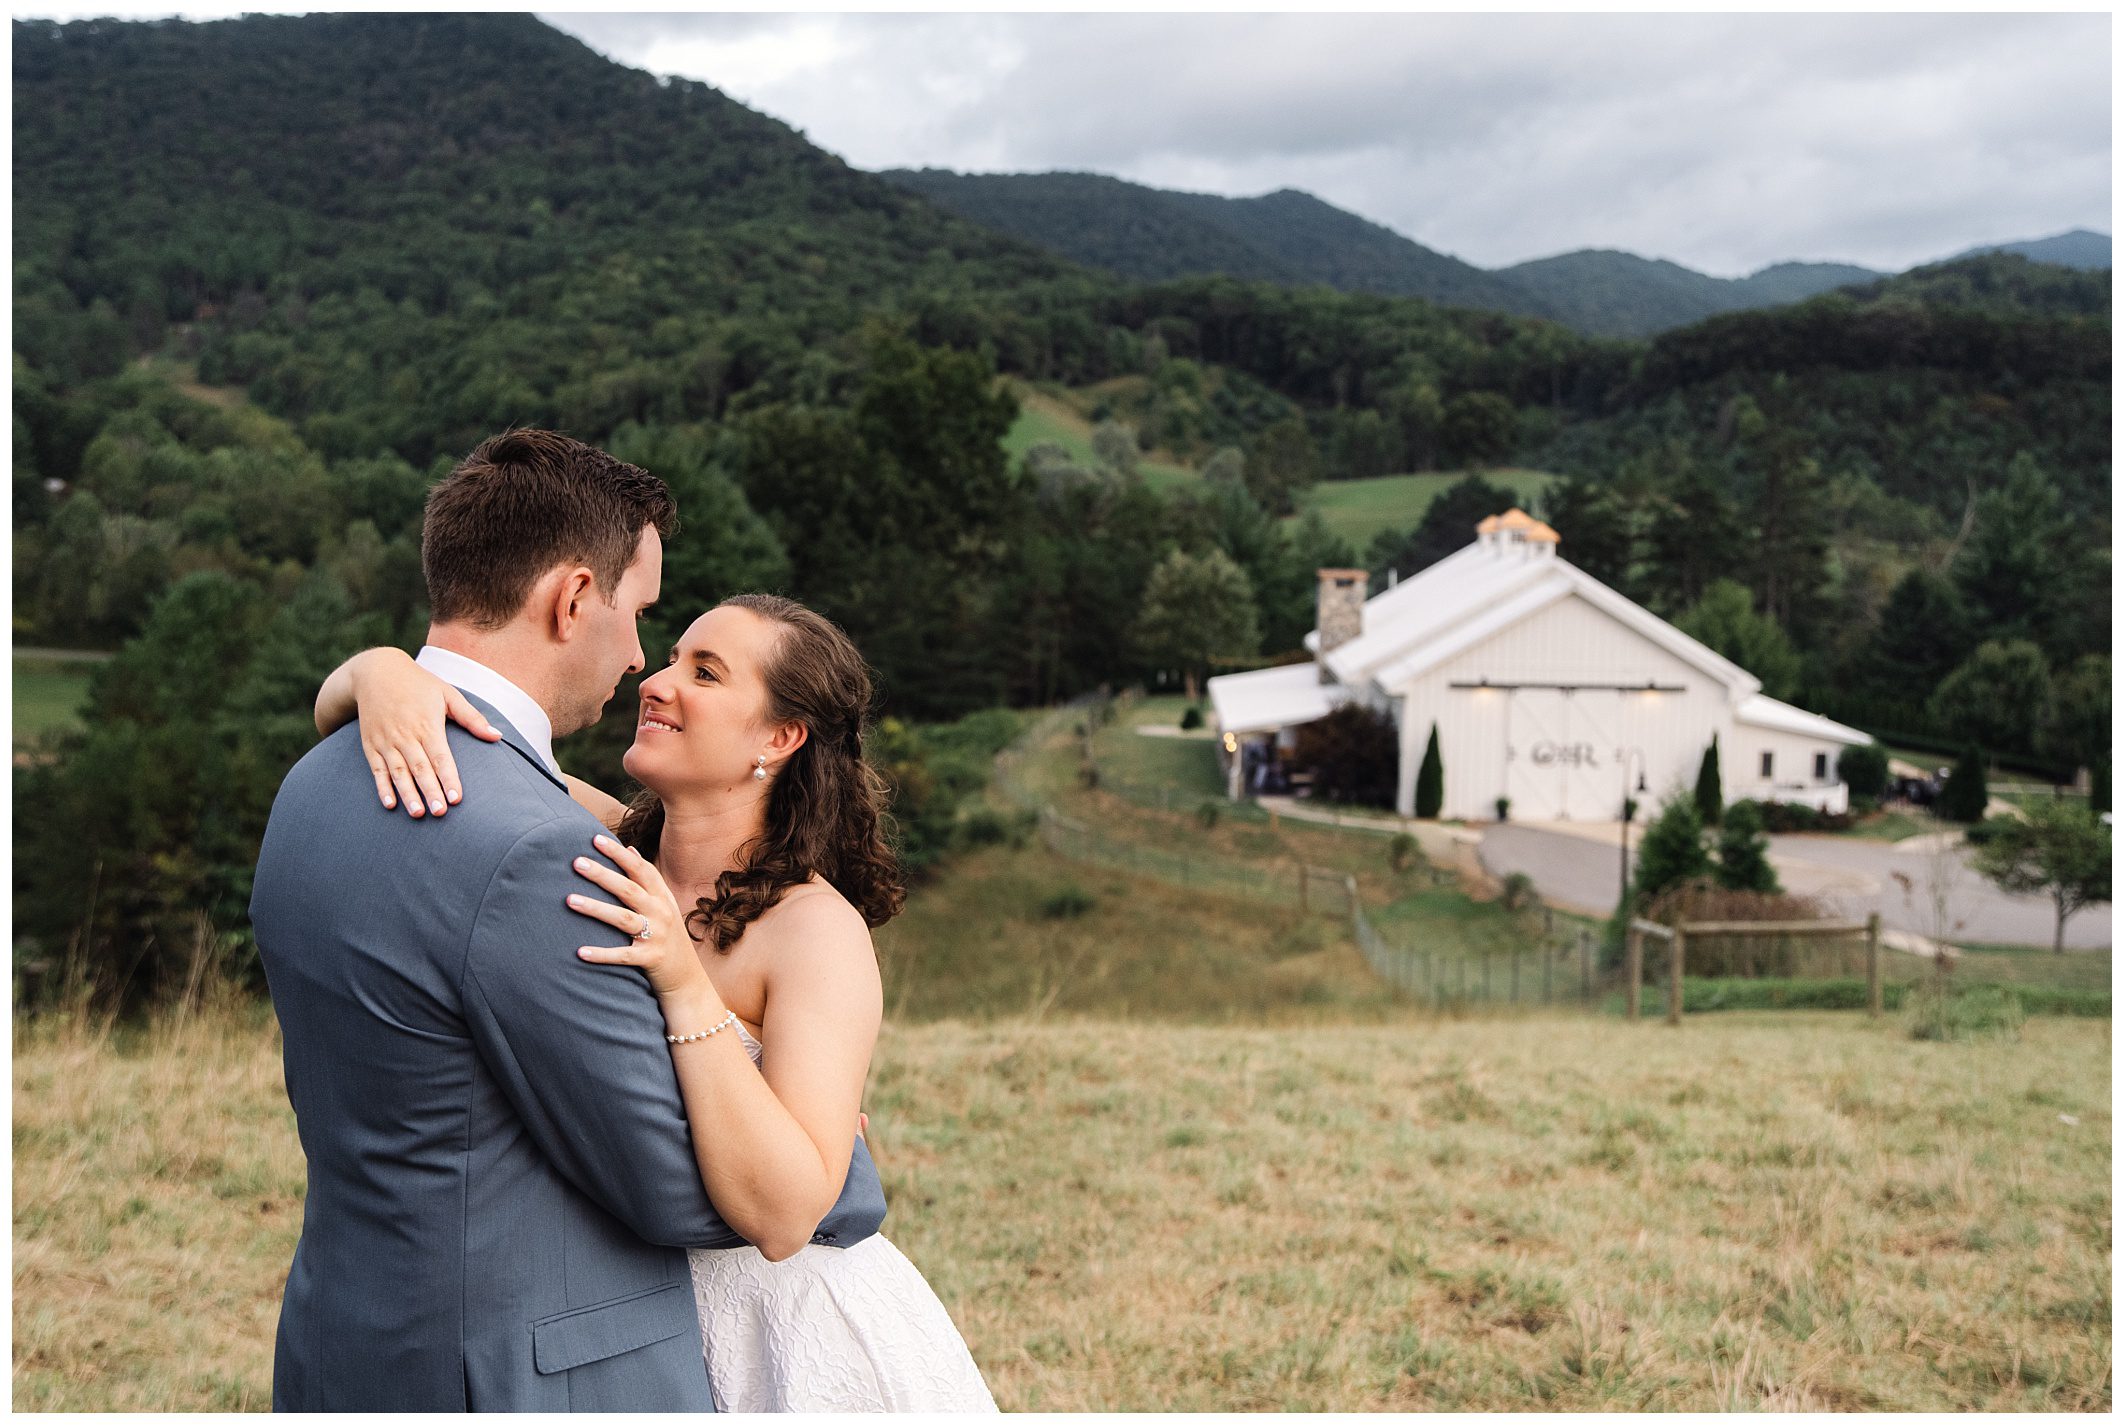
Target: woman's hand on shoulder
404, 710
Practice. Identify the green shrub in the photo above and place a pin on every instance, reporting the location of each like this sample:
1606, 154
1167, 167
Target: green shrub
1519, 892
1191, 719
1504, 808
1710, 795
986, 827
1782, 817
1404, 851
1966, 795
1864, 770
1430, 779
1975, 1012
1208, 812
1067, 904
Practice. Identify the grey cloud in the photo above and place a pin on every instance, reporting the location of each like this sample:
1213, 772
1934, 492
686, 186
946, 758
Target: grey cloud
1722, 141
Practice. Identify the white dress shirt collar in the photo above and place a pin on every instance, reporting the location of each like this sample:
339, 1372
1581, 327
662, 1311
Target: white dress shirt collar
512, 702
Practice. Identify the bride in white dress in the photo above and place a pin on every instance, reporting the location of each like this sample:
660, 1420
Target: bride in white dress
755, 868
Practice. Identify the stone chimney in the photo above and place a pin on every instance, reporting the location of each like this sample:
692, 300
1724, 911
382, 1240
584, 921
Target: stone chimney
1341, 615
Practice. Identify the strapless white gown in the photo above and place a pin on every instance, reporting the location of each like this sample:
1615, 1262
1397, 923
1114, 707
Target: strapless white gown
844, 1329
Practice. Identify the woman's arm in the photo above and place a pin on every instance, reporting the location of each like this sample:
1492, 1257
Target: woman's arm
403, 708
782, 1136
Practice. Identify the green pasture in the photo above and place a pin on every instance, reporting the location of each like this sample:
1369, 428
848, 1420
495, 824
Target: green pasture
48, 696
1042, 419
1359, 509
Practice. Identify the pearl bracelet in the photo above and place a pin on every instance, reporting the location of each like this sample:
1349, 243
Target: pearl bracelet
727, 1020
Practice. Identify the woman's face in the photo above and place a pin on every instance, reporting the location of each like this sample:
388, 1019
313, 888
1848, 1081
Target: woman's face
703, 719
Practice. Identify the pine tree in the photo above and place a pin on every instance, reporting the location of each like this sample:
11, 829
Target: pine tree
1966, 794
1430, 779
1710, 794
1743, 852
1673, 849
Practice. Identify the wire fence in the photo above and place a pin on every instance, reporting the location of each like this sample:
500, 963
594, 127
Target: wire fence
1553, 970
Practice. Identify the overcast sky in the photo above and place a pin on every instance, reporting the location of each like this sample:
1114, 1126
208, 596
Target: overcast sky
1724, 142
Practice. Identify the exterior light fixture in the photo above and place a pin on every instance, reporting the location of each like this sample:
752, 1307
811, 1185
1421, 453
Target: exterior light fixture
1231, 743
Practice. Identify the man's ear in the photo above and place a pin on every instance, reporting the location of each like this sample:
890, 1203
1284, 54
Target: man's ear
572, 590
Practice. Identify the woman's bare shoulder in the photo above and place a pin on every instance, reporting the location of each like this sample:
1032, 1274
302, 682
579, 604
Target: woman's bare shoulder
813, 928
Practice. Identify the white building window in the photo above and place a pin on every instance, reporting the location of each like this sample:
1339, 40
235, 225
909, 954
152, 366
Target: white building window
1769, 760
1821, 766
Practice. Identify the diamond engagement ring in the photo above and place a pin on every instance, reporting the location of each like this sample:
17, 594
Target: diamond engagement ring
643, 933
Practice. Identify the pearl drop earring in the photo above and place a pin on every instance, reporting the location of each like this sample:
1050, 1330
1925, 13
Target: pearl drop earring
759, 773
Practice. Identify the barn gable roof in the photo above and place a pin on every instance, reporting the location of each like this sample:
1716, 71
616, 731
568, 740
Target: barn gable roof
1482, 590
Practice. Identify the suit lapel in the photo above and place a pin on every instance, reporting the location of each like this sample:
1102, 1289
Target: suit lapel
514, 738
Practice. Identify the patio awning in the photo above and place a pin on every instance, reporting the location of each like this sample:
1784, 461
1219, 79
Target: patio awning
1271, 698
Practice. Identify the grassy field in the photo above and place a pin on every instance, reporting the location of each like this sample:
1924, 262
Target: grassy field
48, 694
1359, 509
1159, 1149
1042, 417
1790, 1211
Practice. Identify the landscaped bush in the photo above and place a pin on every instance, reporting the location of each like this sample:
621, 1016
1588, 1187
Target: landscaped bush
1354, 753
1404, 851
1519, 892
1783, 817
1864, 770
1208, 813
1191, 719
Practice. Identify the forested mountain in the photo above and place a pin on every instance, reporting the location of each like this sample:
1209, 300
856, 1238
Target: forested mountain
1610, 293
274, 275
2078, 248
2001, 283
1154, 234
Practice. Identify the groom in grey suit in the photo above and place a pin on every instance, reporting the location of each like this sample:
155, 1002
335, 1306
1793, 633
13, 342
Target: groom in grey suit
501, 1180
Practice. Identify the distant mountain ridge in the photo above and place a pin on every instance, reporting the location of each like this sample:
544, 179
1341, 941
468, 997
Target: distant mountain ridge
1154, 234
2078, 248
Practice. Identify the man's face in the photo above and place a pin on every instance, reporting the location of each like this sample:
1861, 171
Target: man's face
610, 640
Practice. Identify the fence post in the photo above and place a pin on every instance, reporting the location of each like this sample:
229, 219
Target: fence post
1675, 948
1637, 969
1873, 964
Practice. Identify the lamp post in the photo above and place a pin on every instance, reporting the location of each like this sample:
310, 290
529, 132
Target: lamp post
1629, 810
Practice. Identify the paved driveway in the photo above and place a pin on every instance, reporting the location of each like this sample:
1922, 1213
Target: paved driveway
1852, 876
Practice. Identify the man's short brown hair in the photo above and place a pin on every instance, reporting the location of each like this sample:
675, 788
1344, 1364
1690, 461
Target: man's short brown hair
521, 503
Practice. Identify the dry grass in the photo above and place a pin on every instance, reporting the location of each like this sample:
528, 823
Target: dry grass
1756, 1211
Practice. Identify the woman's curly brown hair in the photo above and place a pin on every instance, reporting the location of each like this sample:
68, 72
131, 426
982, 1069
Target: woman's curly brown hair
826, 806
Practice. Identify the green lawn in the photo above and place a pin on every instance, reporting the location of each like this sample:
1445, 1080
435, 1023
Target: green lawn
1359, 509
47, 697
1186, 764
1893, 826
1042, 419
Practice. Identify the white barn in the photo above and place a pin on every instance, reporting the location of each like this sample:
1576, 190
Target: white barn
1546, 687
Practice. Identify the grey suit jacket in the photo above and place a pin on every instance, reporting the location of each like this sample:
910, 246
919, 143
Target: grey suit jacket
501, 1180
